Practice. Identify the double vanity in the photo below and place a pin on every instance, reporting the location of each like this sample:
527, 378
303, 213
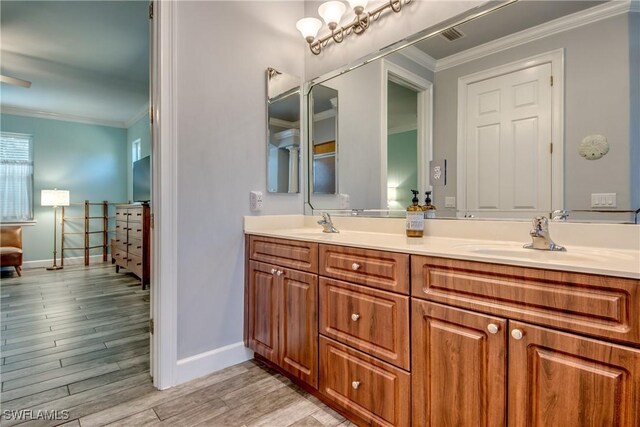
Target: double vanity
446, 330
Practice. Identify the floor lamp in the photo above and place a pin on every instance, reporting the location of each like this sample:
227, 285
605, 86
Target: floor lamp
54, 198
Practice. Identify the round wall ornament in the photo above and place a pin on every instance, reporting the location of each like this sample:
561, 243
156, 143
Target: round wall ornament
593, 147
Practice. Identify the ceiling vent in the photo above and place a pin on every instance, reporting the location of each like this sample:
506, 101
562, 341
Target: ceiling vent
452, 34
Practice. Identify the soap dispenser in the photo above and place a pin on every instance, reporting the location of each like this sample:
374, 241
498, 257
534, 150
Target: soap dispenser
415, 217
428, 208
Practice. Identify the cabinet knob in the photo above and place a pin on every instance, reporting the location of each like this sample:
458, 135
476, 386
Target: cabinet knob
355, 316
273, 271
517, 334
493, 328
279, 273
355, 384
355, 266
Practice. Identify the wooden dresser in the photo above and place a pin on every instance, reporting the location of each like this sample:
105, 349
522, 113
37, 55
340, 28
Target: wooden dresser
132, 240
396, 339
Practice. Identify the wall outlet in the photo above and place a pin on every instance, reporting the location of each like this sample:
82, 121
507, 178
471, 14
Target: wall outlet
255, 201
449, 202
604, 200
343, 201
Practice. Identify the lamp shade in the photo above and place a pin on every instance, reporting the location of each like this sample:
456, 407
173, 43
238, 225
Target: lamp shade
54, 198
309, 27
332, 12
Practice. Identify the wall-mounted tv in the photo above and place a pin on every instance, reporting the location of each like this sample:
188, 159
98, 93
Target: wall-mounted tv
142, 180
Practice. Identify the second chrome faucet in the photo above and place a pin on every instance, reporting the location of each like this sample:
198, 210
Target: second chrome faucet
540, 236
327, 224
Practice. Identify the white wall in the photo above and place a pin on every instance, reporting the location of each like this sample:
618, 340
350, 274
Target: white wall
390, 28
223, 49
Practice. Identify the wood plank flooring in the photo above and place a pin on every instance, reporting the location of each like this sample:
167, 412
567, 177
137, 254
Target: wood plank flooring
75, 347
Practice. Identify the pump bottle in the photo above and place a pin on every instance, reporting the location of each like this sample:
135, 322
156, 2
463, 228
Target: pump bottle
415, 217
428, 208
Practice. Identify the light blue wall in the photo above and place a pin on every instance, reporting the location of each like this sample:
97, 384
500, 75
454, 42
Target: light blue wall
142, 130
402, 163
88, 160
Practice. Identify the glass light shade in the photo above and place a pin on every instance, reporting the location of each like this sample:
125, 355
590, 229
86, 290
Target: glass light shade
358, 4
309, 27
54, 198
332, 11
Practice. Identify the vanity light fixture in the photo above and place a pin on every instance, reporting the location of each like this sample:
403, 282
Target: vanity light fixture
332, 11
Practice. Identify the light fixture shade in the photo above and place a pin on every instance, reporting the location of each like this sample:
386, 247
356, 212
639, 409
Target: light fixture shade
309, 27
54, 198
332, 11
358, 4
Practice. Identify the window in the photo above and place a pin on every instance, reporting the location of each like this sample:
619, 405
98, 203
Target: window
16, 177
135, 150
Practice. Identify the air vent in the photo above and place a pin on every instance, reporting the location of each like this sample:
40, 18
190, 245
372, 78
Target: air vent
452, 34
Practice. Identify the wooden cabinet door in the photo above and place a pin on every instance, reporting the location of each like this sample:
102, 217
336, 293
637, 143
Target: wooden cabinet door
263, 310
299, 324
564, 380
458, 367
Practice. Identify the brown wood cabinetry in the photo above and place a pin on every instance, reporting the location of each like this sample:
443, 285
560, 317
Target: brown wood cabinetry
133, 240
282, 315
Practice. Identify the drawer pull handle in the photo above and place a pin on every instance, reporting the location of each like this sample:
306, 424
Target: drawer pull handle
355, 317
139, 263
355, 266
355, 384
493, 328
517, 334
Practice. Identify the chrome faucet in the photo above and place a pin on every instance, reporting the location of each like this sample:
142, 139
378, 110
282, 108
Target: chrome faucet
327, 224
541, 238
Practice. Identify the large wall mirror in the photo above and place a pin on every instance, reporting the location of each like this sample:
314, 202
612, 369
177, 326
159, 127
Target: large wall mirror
531, 107
283, 132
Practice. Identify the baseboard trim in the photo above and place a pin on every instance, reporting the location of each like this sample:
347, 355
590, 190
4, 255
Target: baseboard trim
77, 260
206, 363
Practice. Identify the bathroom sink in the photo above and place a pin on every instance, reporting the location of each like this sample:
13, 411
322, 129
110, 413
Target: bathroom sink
511, 250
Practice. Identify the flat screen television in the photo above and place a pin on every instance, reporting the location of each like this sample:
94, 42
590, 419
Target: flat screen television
142, 180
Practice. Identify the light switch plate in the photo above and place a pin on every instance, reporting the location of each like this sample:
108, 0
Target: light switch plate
255, 201
604, 200
438, 172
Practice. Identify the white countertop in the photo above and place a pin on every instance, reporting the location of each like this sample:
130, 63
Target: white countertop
619, 262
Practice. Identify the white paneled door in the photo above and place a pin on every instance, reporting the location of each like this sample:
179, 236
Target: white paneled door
508, 143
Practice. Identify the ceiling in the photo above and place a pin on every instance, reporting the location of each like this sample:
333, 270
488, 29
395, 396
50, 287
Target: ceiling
87, 59
503, 22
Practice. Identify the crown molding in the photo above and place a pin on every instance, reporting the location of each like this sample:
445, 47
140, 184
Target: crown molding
401, 129
569, 22
331, 112
419, 57
17, 111
133, 120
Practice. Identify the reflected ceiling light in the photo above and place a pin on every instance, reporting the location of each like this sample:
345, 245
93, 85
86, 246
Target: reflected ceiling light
14, 81
332, 11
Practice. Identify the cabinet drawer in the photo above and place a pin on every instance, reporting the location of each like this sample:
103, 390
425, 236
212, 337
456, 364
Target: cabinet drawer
376, 322
120, 256
121, 228
135, 214
602, 306
121, 215
134, 263
384, 270
134, 247
375, 391
135, 231
286, 253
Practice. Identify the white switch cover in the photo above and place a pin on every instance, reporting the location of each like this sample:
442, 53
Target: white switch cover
343, 201
255, 201
604, 200
449, 202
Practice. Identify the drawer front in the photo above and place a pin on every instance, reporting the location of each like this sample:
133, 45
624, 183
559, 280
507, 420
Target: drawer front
135, 214
134, 264
121, 214
375, 391
286, 253
121, 245
120, 256
135, 231
383, 270
121, 228
607, 307
376, 322
134, 247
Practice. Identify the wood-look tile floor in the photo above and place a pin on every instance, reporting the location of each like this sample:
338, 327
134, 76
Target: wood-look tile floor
75, 347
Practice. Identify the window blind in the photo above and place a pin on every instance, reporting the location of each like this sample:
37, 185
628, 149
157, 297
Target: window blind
16, 177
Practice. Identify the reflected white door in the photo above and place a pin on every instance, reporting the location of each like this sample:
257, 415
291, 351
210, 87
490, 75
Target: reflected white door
508, 143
